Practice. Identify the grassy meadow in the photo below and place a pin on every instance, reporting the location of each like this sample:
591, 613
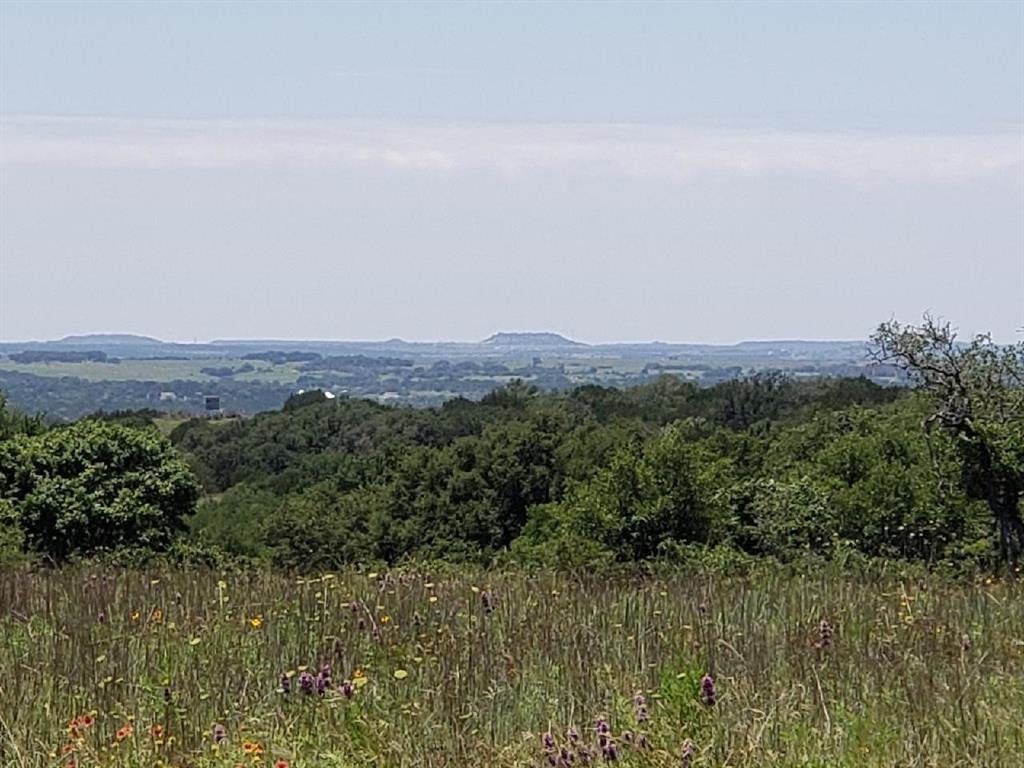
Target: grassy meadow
467, 668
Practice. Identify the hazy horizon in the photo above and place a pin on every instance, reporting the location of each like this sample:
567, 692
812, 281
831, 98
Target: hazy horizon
386, 339
613, 172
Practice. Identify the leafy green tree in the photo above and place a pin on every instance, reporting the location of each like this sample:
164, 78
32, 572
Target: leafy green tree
93, 487
14, 423
976, 390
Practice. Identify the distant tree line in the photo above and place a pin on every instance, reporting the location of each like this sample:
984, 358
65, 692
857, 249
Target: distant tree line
762, 467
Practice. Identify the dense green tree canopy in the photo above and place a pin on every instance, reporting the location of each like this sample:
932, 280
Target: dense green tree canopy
93, 487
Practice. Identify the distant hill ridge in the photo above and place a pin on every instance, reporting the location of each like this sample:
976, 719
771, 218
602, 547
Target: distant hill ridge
108, 338
128, 345
532, 339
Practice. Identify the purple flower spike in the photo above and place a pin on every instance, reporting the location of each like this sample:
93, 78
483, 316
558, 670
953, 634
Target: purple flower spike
286, 683
220, 734
707, 691
307, 684
348, 690
610, 752
640, 708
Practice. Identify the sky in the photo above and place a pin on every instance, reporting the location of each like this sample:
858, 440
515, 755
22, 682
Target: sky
691, 172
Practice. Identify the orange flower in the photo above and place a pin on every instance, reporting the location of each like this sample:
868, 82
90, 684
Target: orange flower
124, 732
281, 764
252, 748
67, 749
156, 731
87, 721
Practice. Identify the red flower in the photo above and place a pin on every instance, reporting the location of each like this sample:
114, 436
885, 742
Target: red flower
124, 732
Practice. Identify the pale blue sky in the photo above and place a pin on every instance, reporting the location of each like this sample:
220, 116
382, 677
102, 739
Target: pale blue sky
687, 172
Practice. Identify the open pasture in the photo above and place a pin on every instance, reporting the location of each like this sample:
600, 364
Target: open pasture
125, 668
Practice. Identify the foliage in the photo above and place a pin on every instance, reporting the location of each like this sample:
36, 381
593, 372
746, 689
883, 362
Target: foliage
770, 467
94, 486
976, 392
14, 423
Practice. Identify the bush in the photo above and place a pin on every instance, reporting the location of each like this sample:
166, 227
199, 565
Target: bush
94, 487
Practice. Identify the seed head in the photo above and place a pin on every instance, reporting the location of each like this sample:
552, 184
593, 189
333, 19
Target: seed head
687, 753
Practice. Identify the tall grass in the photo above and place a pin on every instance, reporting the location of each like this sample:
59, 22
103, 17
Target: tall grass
473, 669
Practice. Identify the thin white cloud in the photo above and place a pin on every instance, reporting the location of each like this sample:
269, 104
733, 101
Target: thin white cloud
662, 152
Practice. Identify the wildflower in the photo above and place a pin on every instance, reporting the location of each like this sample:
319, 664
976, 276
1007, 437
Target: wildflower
824, 634
101, 617
220, 734
124, 732
627, 736
321, 685
281, 764
348, 690
687, 754
87, 721
965, 642
572, 735
325, 673
640, 708
610, 751
306, 683
603, 732
548, 741
156, 731
286, 683
252, 748
641, 742
256, 621
707, 691
487, 601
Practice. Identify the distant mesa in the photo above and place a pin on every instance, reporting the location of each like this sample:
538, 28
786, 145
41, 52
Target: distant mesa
108, 338
532, 340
